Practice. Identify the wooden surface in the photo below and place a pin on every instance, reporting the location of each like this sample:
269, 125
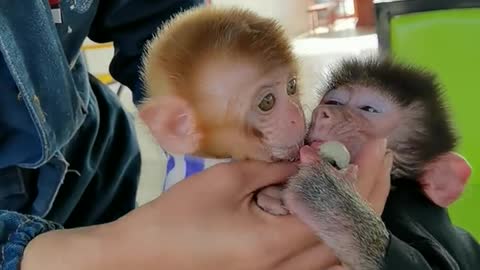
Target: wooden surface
364, 11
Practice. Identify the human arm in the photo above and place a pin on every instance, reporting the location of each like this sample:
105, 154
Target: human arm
209, 221
129, 24
16, 230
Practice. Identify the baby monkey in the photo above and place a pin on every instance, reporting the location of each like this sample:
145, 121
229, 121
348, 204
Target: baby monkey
221, 84
364, 99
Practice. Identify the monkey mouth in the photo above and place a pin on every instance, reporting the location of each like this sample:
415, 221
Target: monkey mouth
294, 156
289, 153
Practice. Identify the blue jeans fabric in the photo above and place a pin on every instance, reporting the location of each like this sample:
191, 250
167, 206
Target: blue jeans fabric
68, 151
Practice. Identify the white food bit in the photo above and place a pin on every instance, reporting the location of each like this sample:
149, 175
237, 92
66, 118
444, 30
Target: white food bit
336, 152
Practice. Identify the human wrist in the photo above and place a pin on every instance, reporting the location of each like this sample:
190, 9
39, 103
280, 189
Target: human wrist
83, 248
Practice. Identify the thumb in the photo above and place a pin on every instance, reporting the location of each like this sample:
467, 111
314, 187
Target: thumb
255, 175
369, 162
379, 193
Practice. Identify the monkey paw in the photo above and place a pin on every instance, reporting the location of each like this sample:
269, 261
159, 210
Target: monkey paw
270, 200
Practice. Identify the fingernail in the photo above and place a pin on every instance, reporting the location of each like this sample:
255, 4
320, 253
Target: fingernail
352, 172
388, 159
384, 143
381, 146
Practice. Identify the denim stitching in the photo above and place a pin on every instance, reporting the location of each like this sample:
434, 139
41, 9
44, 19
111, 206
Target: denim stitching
29, 105
10, 237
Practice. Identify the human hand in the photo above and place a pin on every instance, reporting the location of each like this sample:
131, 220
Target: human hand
374, 163
372, 182
370, 172
334, 203
209, 221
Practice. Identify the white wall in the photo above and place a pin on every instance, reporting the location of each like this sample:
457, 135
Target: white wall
292, 14
98, 60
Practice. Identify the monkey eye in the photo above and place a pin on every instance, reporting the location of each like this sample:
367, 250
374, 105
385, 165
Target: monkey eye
267, 103
333, 102
369, 109
292, 87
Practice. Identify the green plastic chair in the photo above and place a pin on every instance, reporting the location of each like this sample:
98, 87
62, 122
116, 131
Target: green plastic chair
444, 36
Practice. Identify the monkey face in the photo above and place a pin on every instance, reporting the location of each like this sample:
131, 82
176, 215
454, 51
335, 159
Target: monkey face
275, 119
353, 115
249, 112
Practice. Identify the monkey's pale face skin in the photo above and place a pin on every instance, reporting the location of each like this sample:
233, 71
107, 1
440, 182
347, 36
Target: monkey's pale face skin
262, 109
353, 114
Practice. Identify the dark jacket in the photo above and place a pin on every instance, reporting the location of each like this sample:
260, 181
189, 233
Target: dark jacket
68, 152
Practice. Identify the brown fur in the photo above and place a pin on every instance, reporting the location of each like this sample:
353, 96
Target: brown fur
198, 37
190, 38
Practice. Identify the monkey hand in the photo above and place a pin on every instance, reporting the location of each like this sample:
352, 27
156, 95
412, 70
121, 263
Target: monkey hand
343, 207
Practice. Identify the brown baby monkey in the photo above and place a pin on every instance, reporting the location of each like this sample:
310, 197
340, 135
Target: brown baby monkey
365, 99
221, 84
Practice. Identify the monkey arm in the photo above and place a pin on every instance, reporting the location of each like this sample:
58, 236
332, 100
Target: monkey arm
412, 234
326, 201
422, 235
129, 24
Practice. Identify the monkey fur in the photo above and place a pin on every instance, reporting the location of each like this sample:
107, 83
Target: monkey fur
192, 70
222, 83
419, 134
326, 200
409, 87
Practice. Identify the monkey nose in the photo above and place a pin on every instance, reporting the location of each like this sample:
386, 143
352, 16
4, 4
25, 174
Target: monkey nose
297, 125
323, 115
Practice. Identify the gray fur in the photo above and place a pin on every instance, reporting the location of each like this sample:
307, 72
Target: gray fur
322, 197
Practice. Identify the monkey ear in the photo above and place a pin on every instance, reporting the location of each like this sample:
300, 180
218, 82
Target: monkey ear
172, 123
445, 178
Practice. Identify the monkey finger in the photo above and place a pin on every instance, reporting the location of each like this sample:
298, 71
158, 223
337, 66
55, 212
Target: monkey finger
318, 257
379, 193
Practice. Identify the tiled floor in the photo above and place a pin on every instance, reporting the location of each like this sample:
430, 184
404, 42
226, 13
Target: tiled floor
316, 53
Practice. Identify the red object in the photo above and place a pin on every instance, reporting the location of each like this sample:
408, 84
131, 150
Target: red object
54, 2
364, 10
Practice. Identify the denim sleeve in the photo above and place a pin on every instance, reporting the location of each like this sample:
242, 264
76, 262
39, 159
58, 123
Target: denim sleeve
129, 24
16, 230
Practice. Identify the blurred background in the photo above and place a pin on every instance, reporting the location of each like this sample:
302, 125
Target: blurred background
441, 35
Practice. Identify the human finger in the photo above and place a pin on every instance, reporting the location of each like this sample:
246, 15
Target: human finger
337, 267
287, 235
378, 195
369, 162
318, 257
254, 175
237, 178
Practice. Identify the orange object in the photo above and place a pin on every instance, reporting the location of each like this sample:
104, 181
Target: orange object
364, 11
